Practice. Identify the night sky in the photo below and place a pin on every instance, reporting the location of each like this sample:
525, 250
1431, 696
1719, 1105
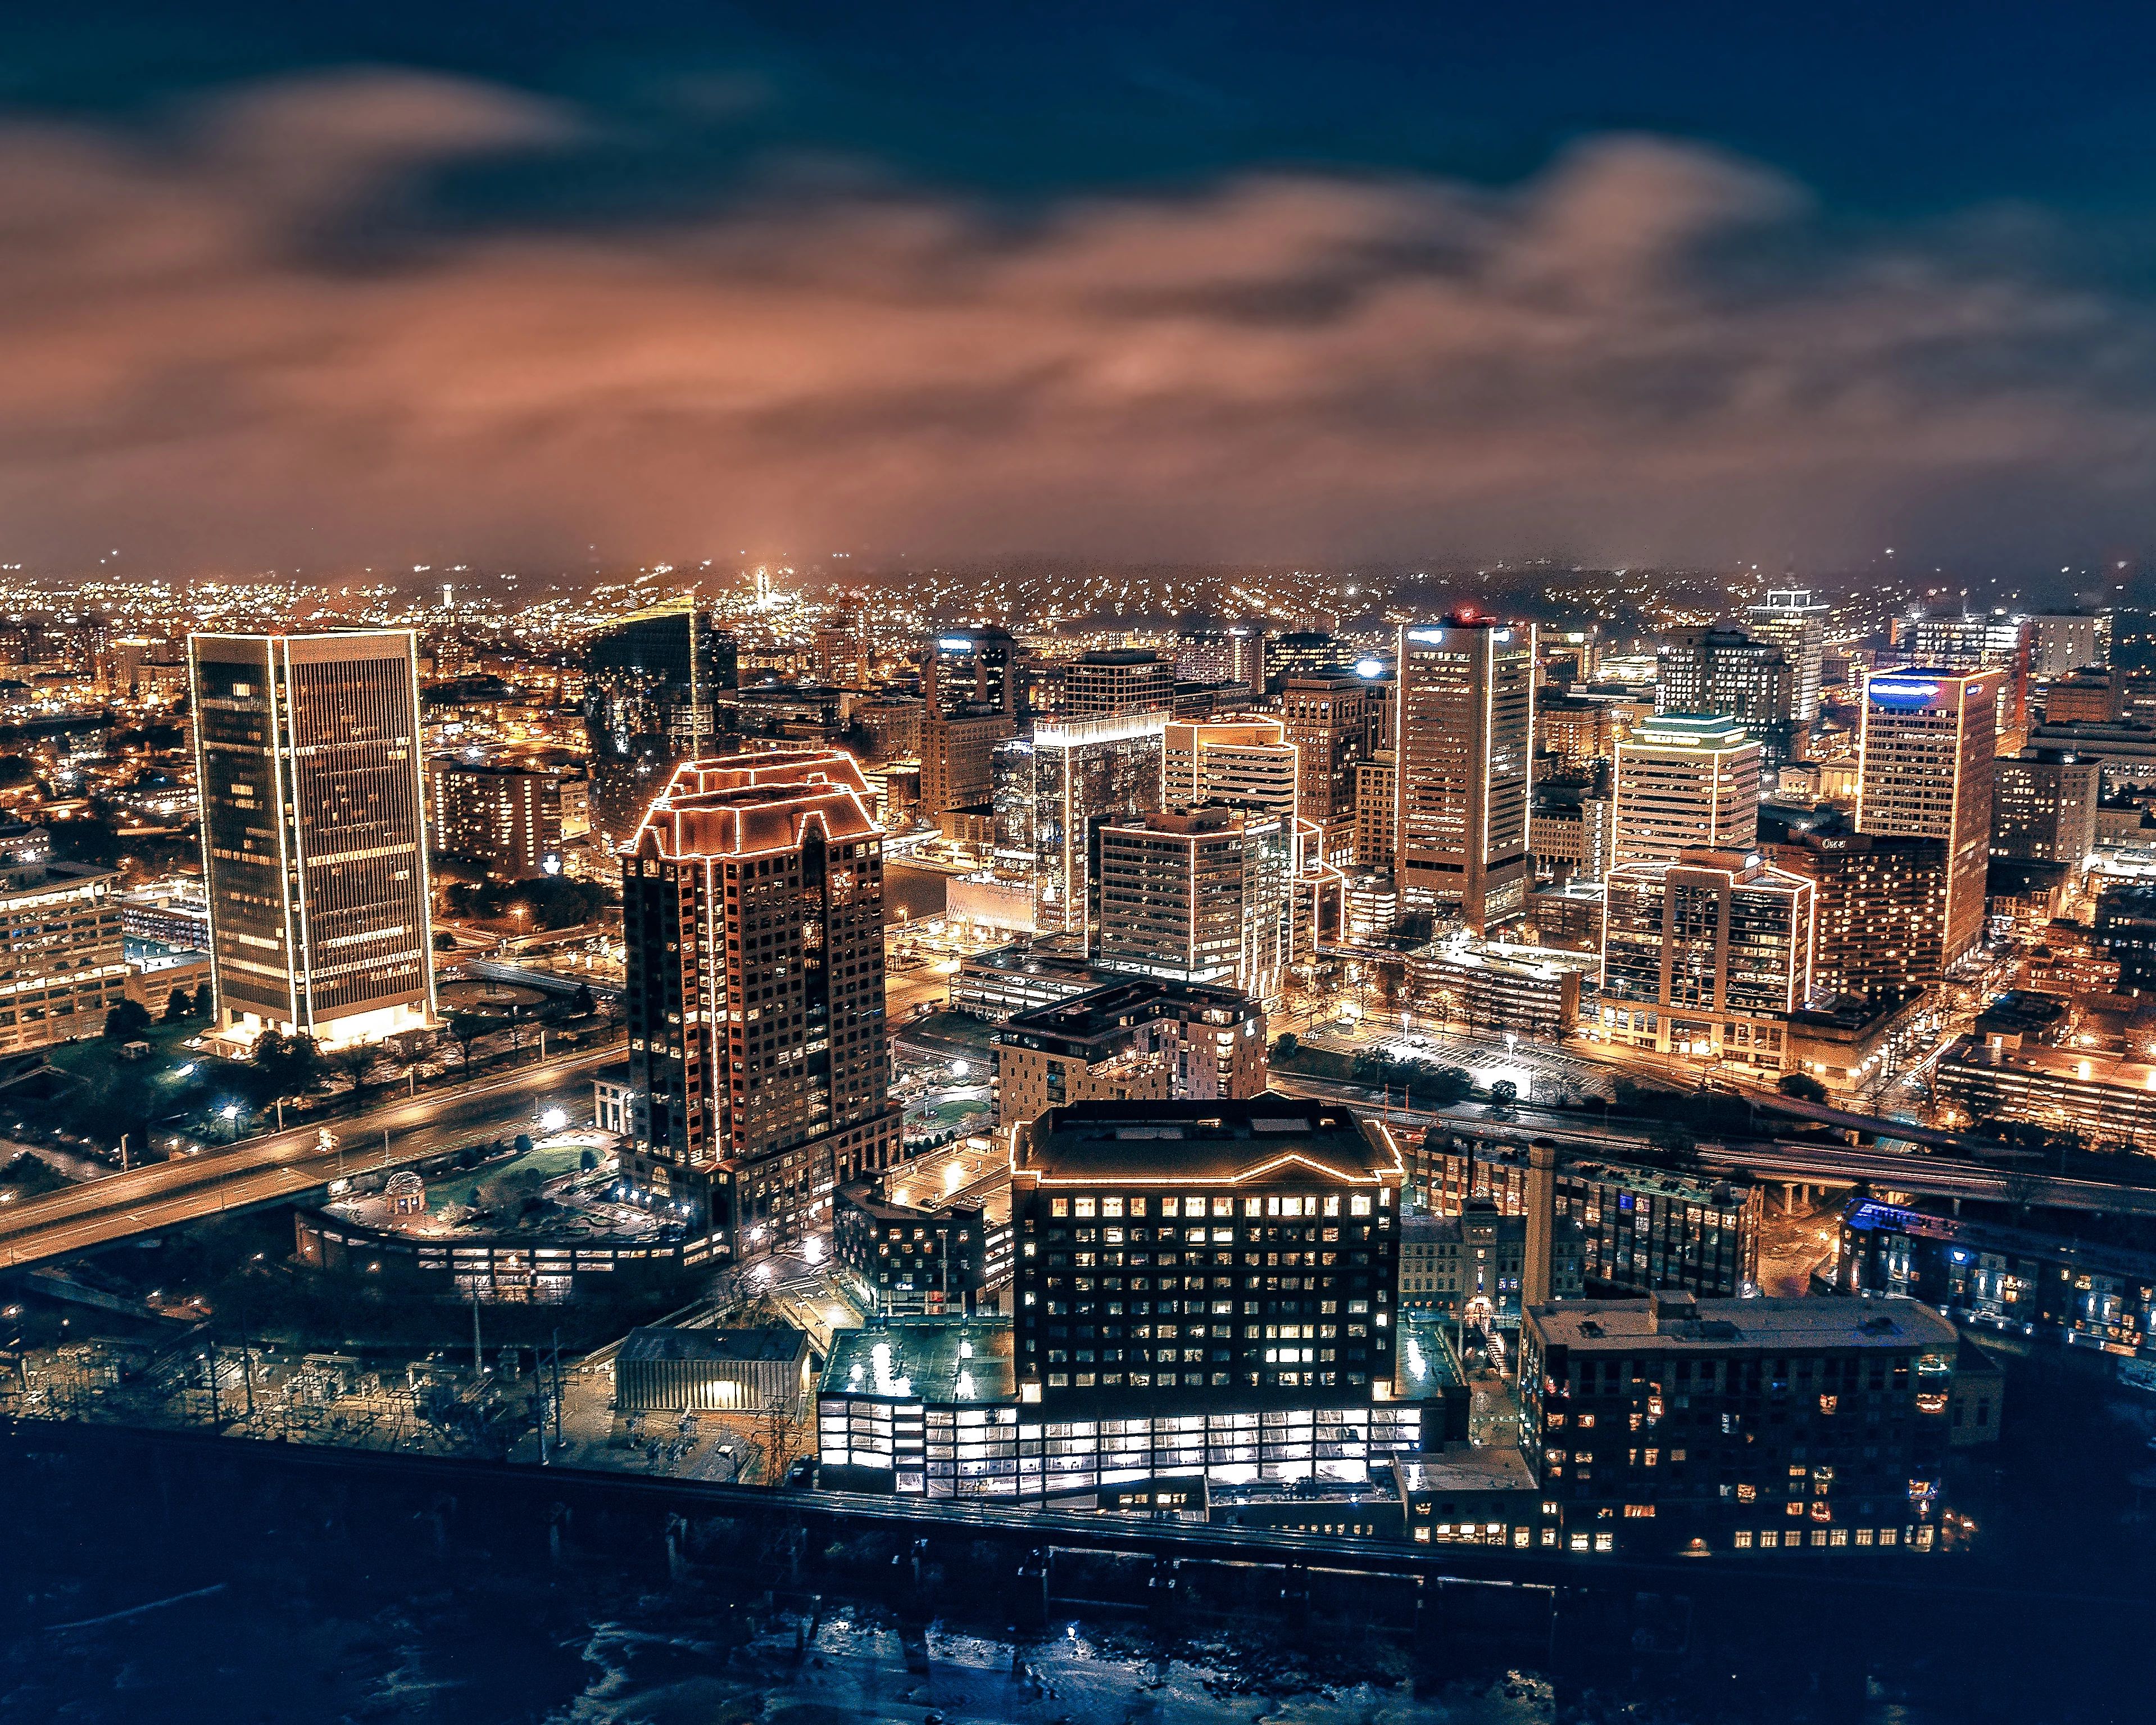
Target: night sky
322, 286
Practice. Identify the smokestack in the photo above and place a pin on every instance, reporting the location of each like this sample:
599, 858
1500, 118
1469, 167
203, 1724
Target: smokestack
1542, 1223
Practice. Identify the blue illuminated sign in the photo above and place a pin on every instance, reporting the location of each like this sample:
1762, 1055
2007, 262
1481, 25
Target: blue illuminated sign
1901, 696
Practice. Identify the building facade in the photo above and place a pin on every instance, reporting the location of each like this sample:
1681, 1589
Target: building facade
1054, 786
307, 757
2043, 806
1247, 762
1195, 896
1726, 671
1207, 1257
1116, 684
1926, 750
651, 692
512, 818
1136, 1042
1707, 957
1464, 742
1679, 1425
1791, 620
1685, 780
1879, 922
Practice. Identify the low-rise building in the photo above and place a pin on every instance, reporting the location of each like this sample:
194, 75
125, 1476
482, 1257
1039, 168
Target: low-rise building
2105, 1099
1007, 980
1850, 1044
1568, 917
1468, 983
1132, 1041
668, 1370
931, 1236
1675, 1426
1468, 1267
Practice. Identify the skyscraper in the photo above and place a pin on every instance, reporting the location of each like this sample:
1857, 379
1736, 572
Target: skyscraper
1724, 671
1684, 780
651, 684
1197, 896
969, 693
1925, 770
841, 651
1464, 751
752, 903
313, 832
1789, 620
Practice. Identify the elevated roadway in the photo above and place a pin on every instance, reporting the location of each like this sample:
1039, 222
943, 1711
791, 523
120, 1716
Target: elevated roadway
283, 1166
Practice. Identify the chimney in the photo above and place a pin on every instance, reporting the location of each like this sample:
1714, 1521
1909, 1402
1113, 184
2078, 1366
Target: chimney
1542, 1223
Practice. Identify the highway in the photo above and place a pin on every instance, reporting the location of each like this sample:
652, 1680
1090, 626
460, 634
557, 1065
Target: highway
283, 1165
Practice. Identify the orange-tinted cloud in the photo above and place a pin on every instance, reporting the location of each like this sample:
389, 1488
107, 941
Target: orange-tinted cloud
1649, 352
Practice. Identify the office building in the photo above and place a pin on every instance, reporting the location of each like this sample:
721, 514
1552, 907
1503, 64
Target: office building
1376, 815
933, 1236
1575, 831
839, 651
1195, 896
1568, 917
1218, 1256
1926, 755
2126, 931
2091, 697
307, 757
1684, 780
512, 818
1641, 1228
1726, 671
1998, 643
752, 904
2061, 643
1468, 1267
1464, 741
1879, 916
64, 964
1119, 683
1675, 1425
1249, 763
1572, 733
1130, 1041
1792, 620
1053, 788
652, 683
2043, 806
969, 705
1706, 957
2084, 1287
1304, 651
1327, 716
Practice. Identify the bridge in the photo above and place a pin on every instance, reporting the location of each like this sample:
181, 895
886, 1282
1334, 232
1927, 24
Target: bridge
281, 1167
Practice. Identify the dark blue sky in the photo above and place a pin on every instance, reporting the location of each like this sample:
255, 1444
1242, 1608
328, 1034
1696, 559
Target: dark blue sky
331, 283
1893, 111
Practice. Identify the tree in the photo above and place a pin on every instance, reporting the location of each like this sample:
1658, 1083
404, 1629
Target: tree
127, 1022
583, 1003
466, 1028
1503, 1093
179, 1006
1284, 1048
289, 1064
1803, 1086
357, 1060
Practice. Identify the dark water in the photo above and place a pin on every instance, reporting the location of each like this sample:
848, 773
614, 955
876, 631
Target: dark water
132, 1593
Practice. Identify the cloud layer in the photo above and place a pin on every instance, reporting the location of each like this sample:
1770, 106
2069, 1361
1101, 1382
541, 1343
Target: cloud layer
238, 344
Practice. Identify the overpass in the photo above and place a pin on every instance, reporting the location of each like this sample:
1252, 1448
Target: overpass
1934, 1174
279, 1167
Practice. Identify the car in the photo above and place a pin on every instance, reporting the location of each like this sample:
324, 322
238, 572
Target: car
801, 1476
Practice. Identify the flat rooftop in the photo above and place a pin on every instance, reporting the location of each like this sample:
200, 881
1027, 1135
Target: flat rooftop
953, 1361
1101, 1012
767, 1341
1268, 1137
1670, 1323
1494, 1467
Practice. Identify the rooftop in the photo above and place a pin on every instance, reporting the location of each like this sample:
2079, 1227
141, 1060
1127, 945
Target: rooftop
769, 1342
1680, 1322
1493, 1467
1101, 1012
958, 1361
1213, 1143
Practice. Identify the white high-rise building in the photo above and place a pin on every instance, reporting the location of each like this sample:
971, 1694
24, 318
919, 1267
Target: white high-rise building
1792, 622
1464, 745
1685, 780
